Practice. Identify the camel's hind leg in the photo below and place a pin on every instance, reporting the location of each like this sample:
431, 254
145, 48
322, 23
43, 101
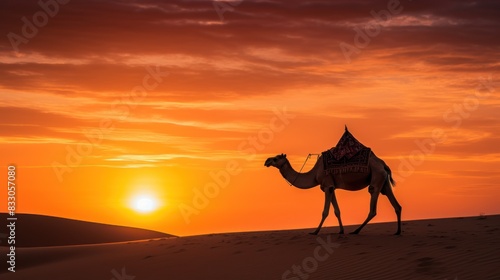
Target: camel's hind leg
373, 208
395, 204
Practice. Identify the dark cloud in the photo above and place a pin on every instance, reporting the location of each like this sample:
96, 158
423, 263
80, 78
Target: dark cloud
101, 31
86, 28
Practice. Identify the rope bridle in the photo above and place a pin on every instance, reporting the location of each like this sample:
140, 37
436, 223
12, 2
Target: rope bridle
307, 158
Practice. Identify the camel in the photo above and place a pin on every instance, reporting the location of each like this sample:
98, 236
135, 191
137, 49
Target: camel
379, 179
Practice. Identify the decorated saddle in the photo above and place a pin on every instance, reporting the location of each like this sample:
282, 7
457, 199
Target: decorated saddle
349, 155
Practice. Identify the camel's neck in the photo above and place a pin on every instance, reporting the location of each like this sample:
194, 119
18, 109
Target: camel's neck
305, 180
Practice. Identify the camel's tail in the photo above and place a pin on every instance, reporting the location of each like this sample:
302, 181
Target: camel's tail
389, 173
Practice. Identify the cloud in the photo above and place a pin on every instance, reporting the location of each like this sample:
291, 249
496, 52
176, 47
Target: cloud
226, 76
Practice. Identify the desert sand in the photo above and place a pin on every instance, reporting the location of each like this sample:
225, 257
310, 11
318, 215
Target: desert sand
453, 248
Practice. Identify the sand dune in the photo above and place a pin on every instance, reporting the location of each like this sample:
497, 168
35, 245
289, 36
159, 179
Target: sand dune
39, 230
455, 248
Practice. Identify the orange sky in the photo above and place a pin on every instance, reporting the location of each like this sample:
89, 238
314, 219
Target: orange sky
172, 93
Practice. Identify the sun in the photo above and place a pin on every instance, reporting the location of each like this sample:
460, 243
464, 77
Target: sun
144, 203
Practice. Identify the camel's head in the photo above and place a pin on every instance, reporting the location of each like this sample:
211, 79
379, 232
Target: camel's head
276, 161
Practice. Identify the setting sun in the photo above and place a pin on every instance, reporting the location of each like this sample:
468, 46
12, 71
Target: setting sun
144, 203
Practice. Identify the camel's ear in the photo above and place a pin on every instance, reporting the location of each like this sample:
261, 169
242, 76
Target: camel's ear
284, 155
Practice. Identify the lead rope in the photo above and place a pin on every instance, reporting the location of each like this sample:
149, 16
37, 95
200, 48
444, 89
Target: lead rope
307, 158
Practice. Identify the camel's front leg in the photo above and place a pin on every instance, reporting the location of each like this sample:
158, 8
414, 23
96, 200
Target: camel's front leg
336, 210
326, 209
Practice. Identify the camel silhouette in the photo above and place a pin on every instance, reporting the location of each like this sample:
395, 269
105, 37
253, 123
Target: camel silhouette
378, 179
